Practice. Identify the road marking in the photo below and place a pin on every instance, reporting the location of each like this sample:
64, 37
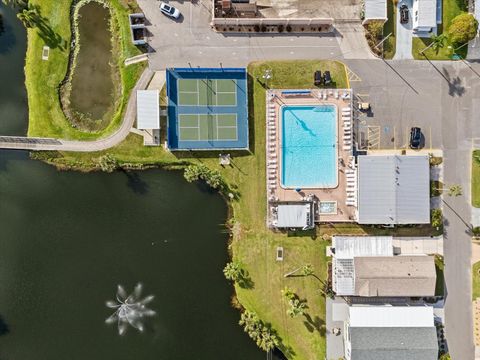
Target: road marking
351, 75
270, 47
208, 37
291, 53
373, 137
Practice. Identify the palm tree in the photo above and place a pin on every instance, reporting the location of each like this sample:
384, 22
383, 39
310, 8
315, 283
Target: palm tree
455, 190
28, 16
16, 3
232, 271
307, 270
438, 41
297, 307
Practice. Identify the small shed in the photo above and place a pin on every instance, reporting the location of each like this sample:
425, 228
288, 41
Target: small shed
375, 10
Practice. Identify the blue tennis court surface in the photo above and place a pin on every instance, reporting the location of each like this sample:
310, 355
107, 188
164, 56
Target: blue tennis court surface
207, 109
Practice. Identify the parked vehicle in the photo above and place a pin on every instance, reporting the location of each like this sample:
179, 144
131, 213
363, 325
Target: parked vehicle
415, 137
169, 10
364, 106
404, 14
317, 78
327, 79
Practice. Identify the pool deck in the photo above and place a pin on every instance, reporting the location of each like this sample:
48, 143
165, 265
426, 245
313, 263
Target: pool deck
276, 193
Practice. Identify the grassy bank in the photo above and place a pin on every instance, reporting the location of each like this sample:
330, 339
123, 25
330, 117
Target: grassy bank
476, 178
476, 280
253, 245
44, 77
451, 8
390, 28
439, 270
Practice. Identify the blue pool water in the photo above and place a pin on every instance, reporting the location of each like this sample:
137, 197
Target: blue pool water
309, 146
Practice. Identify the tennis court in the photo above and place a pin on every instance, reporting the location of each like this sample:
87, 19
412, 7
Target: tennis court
207, 92
207, 127
207, 108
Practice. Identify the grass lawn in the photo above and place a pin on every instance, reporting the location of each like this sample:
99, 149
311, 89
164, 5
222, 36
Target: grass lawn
451, 8
476, 178
476, 281
253, 245
390, 27
439, 269
46, 118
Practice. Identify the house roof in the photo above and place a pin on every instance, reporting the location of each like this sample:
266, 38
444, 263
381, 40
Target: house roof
390, 316
393, 189
294, 215
395, 276
347, 247
427, 13
395, 343
148, 109
375, 10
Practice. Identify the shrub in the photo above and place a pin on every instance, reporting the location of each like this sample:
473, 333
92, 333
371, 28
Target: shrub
436, 218
463, 28
476, 231
435, 160
375, 28
108, 163
232, 271
202, 172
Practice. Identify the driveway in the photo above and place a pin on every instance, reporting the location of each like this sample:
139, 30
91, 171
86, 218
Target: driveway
404, 34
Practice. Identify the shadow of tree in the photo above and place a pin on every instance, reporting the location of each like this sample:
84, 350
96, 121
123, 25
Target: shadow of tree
316, 323
46, 32
245, 281
4, 329
136, 183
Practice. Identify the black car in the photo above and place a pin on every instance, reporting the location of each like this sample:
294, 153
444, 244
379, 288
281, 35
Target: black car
415, 137
327, 79
317, 78
404, 14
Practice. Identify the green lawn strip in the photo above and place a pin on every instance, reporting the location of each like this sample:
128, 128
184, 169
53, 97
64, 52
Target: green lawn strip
476, 178
46, 117
439, 269
390, 28
253, 245
451, 8
476, 280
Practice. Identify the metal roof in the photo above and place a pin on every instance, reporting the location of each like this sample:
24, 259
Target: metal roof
347, 247
294, 215
375, 10
395, 276
393, 189
148, 109
391, 316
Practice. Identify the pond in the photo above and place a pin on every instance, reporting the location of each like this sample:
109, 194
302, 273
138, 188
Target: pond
92, 96
68, 239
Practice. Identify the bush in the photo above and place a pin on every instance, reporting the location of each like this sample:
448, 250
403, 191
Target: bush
202, 172
375, 28
435, 160
436, 218
108, 163
463, 29
476, 231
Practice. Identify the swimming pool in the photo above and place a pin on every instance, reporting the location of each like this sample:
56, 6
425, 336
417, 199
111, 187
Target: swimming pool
309, 146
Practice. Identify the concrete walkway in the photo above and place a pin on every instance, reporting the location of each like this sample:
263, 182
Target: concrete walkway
403, 48
25, 143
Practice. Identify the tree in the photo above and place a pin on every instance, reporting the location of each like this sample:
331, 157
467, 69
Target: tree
307, 270
232, 271
263, 335
455, 190
297, 307
438, 42
463, 28
29, 15
445, 357
201, 172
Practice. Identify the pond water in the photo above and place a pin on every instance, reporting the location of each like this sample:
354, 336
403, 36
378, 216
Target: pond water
68, 239
92, 95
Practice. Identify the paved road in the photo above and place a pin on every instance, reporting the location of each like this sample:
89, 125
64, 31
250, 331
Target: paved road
83, 146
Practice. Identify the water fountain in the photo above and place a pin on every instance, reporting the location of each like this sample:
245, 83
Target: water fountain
129, 309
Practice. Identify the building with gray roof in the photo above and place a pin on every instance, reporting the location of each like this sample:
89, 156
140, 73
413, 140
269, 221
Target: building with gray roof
390, 333
393, 189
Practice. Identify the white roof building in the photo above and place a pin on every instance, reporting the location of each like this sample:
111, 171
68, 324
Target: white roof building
393, 189
148, 110
375, 10
424, 15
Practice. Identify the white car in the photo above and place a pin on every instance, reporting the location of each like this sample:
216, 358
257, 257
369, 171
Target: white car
169, 10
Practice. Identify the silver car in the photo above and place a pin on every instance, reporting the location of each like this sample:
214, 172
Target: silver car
169, 10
